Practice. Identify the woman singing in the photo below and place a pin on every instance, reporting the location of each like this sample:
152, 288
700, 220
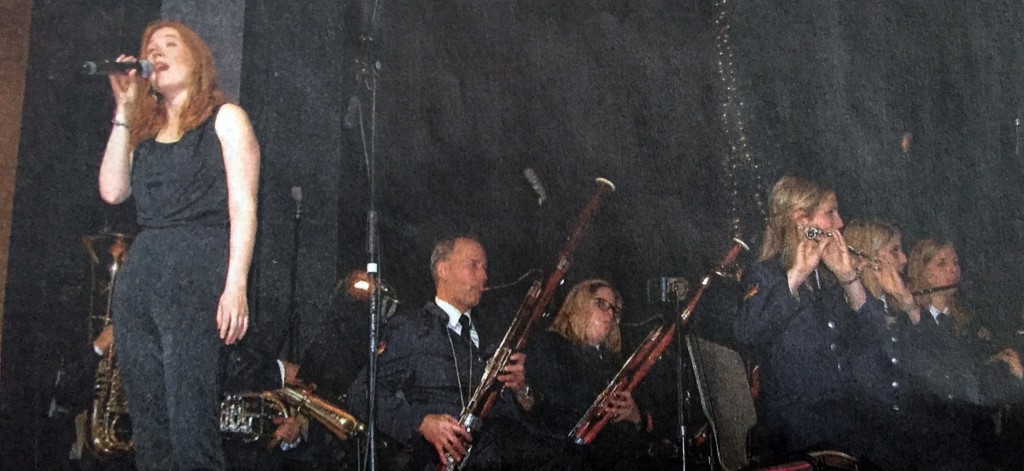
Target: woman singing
191, 161
804, 317
577, 357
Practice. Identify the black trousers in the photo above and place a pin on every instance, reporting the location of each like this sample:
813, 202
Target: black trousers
166, 341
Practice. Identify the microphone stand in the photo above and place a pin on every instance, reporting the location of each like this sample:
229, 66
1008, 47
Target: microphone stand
293, 317
368, 74
682, 392
367, 77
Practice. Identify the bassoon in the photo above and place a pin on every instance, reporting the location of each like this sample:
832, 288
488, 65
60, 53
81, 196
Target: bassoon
640, 362
537, 299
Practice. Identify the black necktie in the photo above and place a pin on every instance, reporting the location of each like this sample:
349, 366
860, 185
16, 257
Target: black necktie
465, 331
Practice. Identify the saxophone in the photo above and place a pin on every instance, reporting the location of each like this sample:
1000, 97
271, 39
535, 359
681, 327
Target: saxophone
109, 423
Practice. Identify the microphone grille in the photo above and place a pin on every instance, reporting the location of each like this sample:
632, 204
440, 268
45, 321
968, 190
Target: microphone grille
297, 193
89, 68
145, 68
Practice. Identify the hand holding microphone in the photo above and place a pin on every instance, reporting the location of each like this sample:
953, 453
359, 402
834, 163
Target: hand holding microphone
124, 74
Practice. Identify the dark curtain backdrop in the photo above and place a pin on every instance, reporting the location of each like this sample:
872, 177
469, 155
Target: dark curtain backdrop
471, 93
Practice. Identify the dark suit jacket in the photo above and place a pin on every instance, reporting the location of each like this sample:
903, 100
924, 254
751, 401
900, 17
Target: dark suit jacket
425, 368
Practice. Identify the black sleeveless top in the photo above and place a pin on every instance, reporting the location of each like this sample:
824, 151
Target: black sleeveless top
181, 183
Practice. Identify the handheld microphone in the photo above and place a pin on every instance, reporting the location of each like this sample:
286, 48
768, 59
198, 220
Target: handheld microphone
144, 68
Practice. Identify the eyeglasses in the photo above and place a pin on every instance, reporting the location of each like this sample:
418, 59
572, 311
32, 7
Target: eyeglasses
606, 305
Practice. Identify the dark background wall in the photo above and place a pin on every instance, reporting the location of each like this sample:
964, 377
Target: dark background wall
471, 93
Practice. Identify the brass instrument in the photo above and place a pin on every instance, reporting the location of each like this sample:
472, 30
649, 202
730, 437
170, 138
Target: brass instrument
537, 300
934, 289
250, 416
109, 423
640, 362
338, 421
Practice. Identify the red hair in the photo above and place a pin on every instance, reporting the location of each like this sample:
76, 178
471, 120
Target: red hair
204, 93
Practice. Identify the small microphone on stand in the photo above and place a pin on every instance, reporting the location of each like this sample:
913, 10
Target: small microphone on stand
1016, 136
297, 196
535, 183
352, 113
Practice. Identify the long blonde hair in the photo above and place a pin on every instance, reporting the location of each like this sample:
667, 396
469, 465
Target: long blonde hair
790, 194
571, 320
920, 256
204, 93
870, 236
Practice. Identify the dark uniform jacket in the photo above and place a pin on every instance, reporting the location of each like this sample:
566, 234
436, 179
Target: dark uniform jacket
426, 368
805, 348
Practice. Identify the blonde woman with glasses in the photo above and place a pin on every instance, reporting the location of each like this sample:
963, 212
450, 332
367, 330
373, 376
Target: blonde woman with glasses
575, 359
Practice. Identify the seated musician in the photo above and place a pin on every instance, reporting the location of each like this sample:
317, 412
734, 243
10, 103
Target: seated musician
886, 402
935, 279
575, 359
243, 370
804, 316
961, 372
331, 361
431, 360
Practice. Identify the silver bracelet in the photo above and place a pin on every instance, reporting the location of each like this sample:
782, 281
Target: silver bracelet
116, 123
